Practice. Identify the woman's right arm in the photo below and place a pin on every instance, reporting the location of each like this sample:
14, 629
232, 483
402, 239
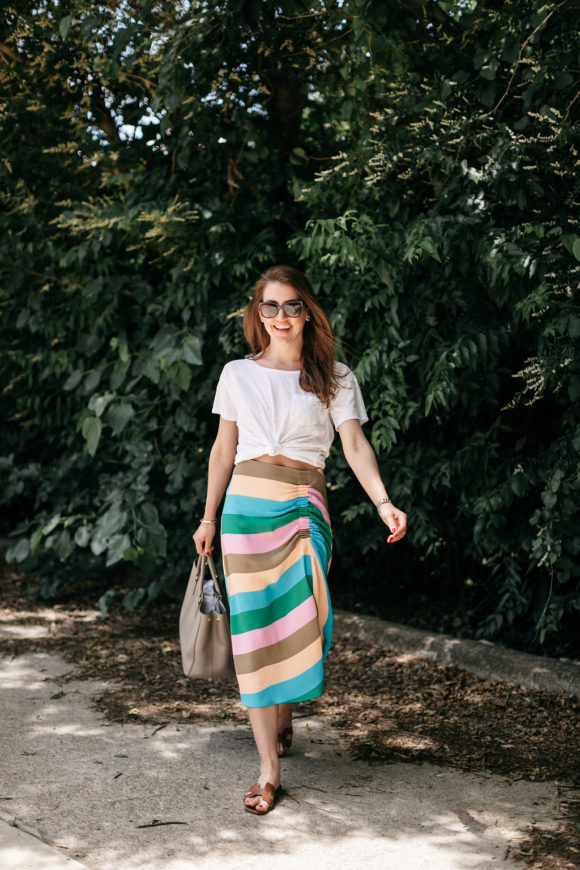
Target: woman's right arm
221, 463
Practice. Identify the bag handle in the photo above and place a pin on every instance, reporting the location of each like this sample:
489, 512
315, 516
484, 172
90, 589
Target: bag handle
202, 561
214, 576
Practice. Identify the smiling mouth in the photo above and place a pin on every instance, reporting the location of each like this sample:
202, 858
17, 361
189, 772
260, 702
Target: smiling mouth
282, 328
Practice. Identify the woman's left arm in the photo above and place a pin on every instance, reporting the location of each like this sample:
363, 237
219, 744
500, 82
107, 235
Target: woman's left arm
361, 457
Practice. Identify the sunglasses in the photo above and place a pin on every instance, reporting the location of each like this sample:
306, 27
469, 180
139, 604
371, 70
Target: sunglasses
292, 308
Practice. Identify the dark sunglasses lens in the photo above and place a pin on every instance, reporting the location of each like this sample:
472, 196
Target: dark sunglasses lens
293, 309
269, 309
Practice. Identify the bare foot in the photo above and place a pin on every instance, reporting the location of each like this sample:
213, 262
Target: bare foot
256, 801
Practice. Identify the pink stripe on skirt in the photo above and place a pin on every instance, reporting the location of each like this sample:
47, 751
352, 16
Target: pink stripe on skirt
263, 542
282, 628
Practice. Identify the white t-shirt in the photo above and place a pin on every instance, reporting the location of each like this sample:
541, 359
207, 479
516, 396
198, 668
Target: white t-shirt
277, 417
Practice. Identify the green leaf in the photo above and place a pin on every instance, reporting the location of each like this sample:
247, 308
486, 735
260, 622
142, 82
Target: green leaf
35, 541
82, 536
489, 70
518, 484
118, 415
92, 381
487, 93
64, 545
51, 525
563, 80
64, 26
18, 552
568, 240
574, 388
191, 350
384, 274
118, 544
124, 352
98, 403
145, 560
480, 57
133, 598
112, 521
73, 380
131, 554
92, 428
106, 600
99, 542
574, 326
148, 514
181, 374
152, 370
576, 248
428, 245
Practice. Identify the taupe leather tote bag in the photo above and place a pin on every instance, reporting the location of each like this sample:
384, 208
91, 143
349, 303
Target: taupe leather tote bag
204, 625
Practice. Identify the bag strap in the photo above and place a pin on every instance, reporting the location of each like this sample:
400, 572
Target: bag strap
214, 577
202, 561
200, 567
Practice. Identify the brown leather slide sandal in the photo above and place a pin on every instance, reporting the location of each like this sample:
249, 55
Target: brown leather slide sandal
268, 794
285, 738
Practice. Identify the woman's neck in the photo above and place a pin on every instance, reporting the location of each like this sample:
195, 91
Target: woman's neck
282, 358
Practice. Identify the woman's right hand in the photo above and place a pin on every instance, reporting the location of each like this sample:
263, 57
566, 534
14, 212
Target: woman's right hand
203, 538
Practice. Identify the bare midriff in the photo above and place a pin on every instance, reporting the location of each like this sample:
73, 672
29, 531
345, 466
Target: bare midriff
280, 459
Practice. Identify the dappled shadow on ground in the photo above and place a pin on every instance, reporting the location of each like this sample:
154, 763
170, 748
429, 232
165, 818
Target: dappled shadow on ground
389, 706
135, 796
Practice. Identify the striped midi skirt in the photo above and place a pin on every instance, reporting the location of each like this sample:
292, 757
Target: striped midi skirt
276, 546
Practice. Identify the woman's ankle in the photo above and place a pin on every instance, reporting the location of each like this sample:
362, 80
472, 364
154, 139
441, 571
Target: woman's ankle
270, 772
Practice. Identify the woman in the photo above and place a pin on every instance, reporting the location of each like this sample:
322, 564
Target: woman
278, 412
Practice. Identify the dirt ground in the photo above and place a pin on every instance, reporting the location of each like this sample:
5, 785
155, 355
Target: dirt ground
389, 706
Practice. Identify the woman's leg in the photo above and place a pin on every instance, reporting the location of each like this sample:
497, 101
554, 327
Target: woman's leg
264, 721
284, 722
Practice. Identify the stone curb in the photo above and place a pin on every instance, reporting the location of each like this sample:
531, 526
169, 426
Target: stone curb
479, 657
21, 848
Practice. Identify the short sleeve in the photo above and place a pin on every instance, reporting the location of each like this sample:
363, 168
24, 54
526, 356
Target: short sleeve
223, 404
348, 403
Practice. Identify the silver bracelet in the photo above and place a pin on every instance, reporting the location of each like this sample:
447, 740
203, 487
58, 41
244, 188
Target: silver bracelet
383, 501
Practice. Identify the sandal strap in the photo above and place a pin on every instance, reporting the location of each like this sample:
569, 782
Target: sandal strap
267, 793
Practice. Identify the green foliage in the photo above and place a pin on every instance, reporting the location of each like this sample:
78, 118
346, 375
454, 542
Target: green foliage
419, 162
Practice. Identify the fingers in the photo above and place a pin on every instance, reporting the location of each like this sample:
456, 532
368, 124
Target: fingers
396, 521
203, 538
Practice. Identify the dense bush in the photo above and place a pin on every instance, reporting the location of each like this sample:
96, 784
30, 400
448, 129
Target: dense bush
420, 162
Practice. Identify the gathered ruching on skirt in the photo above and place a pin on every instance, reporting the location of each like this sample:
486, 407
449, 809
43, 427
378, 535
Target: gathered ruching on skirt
276, 545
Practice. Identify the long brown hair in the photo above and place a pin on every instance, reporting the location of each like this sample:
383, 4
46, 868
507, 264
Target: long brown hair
317, 374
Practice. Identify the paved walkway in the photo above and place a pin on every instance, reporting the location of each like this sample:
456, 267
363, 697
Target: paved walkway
108, 796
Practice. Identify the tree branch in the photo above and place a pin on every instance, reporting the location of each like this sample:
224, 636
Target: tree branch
522, 47
8, 53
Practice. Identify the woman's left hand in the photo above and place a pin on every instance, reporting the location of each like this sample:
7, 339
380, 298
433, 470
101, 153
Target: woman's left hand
396, 520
